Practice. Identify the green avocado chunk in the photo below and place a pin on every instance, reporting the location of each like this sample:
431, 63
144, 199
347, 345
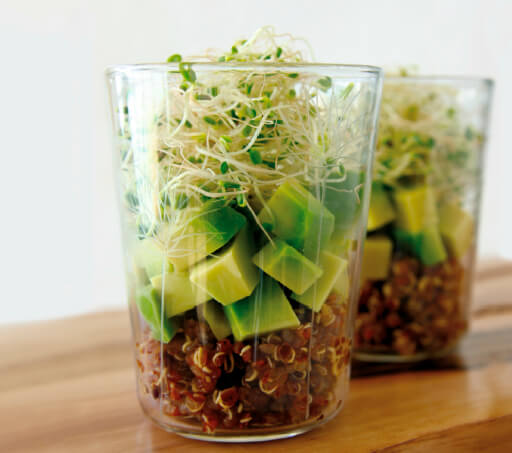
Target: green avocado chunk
213, 314
342, 285
457, 229
152, 258
148, 302
431, 247
230, 276
316, 295
204, 230
287, 266
376, 258
180, 294
426, 245
341, 195
340, 245
415, 208
298, 218
266, 310
381, 210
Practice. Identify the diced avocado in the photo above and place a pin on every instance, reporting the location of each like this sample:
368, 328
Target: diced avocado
431, 248
342, 195
214, 315
415, 208
148, 302
317, 294
381, 210
287, 266
180, 294
376, 258
152, 258
342, 285
426, 245
172, 325
205, 230
340, 245
266, 310
231, 275
406, 242
457, 229
298, 218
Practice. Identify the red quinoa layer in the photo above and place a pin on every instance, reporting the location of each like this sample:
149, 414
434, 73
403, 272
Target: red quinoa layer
417, 309
262, 382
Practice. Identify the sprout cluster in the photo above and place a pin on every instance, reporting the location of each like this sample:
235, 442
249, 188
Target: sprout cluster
424, 136
236, 135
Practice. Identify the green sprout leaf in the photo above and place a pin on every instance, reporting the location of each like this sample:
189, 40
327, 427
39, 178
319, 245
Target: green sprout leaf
209, 120
230, 185
241, 200
175, 58
187, 72
255, 156
246, 131
346, 91
325, 83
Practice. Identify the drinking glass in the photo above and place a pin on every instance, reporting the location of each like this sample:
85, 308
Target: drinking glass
243, 192
420, 248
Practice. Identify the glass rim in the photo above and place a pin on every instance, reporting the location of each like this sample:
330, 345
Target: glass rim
334, 69
430, 78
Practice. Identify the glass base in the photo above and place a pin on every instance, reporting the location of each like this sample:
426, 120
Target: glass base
384, 357
248, 435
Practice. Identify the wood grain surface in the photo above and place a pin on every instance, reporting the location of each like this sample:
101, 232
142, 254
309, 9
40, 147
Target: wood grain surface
69, 386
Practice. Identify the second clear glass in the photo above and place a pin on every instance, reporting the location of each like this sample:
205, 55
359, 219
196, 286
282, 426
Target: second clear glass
423, 219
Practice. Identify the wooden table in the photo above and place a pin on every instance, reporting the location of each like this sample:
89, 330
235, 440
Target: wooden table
68, 386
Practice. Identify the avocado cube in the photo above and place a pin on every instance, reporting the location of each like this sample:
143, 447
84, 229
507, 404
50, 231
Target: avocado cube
341, 194
376, 258
213, 314
287, 266
266, 310
298, 218
340, 245
342, 284
381, 210
415, 208
430, 248
317, 294
201, 232
457, 229
152, 258
180, 294
425, 245
406, 242
231, 275
172, 327
148, 302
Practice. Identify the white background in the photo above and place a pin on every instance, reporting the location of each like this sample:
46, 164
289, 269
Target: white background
60, 251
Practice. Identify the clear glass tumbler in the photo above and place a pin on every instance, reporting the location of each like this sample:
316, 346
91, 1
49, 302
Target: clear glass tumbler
244, 192
423, 218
